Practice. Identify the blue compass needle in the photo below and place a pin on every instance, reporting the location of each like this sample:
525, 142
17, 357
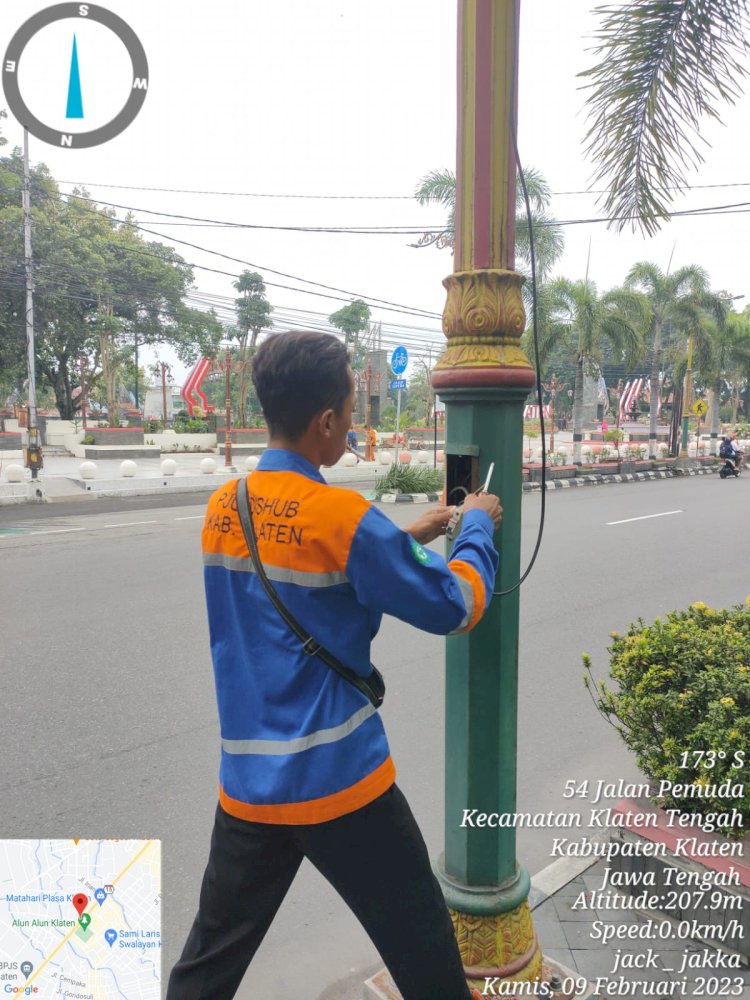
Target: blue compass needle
75, 101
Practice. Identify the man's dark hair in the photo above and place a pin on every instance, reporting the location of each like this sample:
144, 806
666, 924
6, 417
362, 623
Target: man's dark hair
298, 374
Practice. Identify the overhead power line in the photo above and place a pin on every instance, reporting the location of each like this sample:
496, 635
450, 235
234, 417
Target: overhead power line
375, 302
355, 197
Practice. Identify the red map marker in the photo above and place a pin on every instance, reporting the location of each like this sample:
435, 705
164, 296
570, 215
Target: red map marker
80, 902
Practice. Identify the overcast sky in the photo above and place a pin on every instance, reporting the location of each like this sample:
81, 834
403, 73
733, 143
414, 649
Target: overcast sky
321, 99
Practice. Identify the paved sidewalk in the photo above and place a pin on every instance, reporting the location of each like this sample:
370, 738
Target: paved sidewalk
61, 477
600, 945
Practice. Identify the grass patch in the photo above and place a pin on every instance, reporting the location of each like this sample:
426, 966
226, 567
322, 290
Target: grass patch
405, 479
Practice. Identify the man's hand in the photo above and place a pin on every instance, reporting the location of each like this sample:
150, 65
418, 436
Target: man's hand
487, 502
430, 525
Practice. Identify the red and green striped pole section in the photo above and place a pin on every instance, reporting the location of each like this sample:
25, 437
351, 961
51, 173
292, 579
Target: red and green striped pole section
484, 378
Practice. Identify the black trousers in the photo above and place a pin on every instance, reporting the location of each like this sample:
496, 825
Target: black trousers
377, 861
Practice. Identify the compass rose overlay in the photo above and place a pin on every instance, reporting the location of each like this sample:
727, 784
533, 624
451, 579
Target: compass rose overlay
56, 136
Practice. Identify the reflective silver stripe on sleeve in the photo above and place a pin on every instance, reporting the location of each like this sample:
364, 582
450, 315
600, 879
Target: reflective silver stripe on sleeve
244, 564
280, 747
467, 592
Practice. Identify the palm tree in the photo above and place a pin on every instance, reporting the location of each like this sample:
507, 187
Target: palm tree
439, 187
663, 66
728, 363
582, 320
676, 304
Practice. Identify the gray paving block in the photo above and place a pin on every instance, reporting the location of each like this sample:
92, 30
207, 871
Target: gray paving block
565, 913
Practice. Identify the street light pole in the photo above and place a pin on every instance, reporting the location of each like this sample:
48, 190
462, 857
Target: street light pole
686, 400
228, 412
484, 377
164, 368
82, 370
136, 370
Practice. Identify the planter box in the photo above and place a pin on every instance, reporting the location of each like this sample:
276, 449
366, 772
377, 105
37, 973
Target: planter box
246, 434
627, 466
723, 921
115, 435
607, 468
10, 441
170, 442
553, 471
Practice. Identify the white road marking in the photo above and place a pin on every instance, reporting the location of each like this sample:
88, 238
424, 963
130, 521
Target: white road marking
646, 517
51, 531
127, 524
193, 517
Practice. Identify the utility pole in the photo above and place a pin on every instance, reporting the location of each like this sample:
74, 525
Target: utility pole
484, 377
34, 450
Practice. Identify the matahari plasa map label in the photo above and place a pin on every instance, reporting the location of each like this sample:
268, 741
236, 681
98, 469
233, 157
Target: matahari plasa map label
80, 920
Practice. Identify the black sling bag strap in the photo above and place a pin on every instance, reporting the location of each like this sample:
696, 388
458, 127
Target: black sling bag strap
372, 687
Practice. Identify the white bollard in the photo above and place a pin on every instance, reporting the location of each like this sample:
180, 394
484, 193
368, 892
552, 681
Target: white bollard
208, 466
423, 457
15, 474
440, 457
385, 457
168, 467
128, 468
349, 459
88, 470
251, 463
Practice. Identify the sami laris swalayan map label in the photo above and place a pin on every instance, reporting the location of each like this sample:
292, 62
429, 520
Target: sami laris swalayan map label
80, 920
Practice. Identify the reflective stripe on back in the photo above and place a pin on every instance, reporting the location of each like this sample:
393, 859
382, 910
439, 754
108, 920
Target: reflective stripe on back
322, 736
244, 564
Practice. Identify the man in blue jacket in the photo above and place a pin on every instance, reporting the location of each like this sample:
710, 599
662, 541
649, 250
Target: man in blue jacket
305, 767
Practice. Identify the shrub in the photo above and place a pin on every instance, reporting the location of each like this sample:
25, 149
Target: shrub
190, 425
684, 685
89, 439
408, 479
152, 426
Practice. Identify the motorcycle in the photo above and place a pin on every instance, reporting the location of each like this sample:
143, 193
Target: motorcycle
729, 468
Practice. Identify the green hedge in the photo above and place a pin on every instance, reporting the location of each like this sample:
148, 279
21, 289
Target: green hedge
683, 685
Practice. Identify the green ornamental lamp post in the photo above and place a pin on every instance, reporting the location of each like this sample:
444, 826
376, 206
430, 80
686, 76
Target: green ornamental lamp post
484, 377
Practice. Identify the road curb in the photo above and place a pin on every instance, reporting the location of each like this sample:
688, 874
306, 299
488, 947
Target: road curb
407, 497
597, 479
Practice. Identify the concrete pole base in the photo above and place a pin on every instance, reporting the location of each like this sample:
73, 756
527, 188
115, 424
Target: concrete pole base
35, 491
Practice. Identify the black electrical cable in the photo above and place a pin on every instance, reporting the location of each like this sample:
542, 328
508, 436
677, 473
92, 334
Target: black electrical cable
532, 256
534, 327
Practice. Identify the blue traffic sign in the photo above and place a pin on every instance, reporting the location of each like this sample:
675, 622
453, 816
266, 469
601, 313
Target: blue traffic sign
399, 360
397, 383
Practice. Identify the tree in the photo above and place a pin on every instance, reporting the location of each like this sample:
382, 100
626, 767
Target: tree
98, 286
664, 65
582, 320
253, 315
729, 361
351, 320
675, 303
439, 187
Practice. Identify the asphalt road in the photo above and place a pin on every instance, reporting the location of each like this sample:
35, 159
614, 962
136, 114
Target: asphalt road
108, 711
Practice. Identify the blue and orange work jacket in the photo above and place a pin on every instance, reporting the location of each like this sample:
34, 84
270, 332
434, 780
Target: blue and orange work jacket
299, 744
